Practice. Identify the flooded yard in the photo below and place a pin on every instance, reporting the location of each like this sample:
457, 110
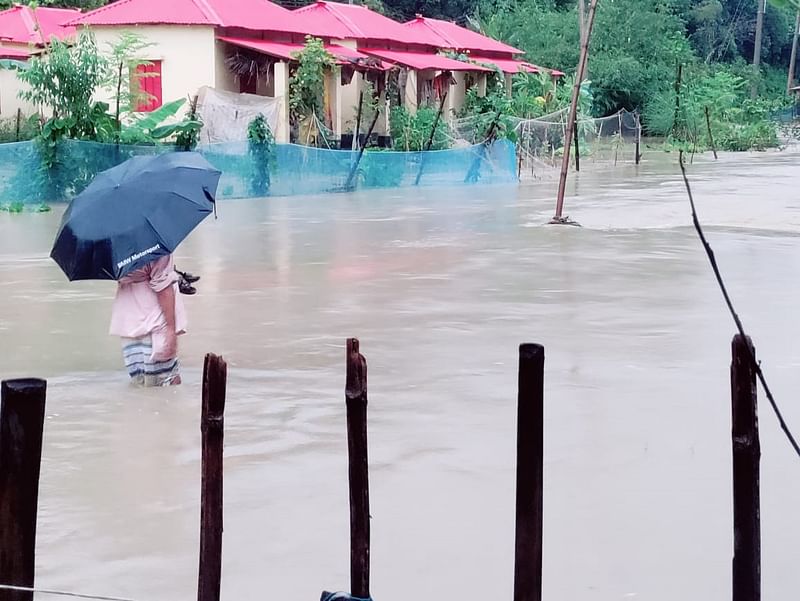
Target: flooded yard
441, 286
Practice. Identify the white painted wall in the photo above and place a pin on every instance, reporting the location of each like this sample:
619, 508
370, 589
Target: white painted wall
457, 93
281, 78
187, 54
9, 102
223, 79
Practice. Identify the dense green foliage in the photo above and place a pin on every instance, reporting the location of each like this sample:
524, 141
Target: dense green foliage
637, 46
412, 132
307, 84
64, 82
261, 146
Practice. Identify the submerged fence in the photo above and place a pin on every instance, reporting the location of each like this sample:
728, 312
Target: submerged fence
22, 418
292, 169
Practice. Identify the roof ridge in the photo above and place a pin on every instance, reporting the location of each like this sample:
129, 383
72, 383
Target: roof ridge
432, 26
98, 11
344, 19
208, 12
31, 23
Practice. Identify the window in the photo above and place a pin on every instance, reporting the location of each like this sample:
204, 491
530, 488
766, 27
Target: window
148, 80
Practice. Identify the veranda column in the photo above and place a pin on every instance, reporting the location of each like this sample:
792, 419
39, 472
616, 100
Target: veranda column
282, 91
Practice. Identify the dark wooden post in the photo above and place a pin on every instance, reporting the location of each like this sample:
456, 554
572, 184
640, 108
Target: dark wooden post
429, 143
530, 474
215, 374
21, 429
577, 147
711, 134
746, 457
19, 120
356, 399
638, 156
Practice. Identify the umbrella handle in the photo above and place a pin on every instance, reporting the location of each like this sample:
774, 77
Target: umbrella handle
211, 199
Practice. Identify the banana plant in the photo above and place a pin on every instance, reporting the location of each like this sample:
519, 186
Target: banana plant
150, 128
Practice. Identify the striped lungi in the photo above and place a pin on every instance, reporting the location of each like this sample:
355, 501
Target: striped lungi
142, 368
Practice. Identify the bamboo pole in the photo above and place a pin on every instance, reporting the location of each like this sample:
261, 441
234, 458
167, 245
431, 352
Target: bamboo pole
431, 137
710, 134
350, 185
762, 7
357, 131
793, 60
573, 111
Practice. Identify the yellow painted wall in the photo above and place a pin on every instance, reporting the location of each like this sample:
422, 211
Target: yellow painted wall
187, 54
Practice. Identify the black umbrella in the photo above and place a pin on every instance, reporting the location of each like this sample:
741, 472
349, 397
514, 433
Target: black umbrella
133, 214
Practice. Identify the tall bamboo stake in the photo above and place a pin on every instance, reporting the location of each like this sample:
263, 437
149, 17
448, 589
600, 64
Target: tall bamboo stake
762, 7
793, 59
573, 110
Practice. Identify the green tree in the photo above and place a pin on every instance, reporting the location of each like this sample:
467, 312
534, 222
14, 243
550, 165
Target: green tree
64, 80
122, 79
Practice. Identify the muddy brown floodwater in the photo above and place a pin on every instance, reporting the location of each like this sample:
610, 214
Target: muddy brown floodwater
440, 285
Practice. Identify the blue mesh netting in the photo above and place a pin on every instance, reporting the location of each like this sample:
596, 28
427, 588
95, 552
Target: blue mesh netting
294, 170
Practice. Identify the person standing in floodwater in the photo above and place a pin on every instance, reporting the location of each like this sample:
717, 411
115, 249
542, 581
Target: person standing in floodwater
148, 315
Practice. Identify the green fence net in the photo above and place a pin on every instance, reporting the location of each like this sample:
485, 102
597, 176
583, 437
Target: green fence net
291, 170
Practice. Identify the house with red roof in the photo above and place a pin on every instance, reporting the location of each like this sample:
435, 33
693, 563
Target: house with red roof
25, 31
249, 46
413, 65
478, 48
187, 50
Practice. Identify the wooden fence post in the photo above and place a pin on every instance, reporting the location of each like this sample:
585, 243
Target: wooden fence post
638, 149
530, 474
711, 134
215, 374
21, 429
577, 146
746, 457
19, 122
356, 399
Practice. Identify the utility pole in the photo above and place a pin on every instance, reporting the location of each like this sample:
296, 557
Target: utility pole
793, 60
573, 111
762, 6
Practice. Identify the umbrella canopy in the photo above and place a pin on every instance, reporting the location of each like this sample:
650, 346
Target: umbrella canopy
133, 214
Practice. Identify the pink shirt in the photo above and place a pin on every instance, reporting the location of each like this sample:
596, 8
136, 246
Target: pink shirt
136, 312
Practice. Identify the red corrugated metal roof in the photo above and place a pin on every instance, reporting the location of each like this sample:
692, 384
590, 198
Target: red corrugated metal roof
24, 25
6, 52
350, 21
444, 34
287, 51
506, 65
282, 50
259, 15
423, 60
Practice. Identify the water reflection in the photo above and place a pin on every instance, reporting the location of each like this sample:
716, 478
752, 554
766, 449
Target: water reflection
441, 286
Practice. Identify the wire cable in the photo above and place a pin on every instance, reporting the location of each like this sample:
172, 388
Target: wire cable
43, 591
736, 319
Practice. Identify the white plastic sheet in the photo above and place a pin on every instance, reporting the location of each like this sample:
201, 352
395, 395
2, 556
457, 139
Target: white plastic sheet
226, 115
